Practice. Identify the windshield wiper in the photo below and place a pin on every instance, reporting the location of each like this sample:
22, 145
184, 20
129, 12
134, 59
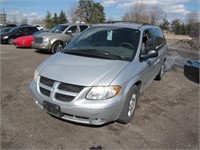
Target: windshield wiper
94, 53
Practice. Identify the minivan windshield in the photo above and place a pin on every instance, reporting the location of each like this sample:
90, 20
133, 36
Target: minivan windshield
58, 28
106, 42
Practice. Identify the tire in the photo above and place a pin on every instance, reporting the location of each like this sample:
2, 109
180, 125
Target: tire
10, 40
129, 107
161, 72
57, 46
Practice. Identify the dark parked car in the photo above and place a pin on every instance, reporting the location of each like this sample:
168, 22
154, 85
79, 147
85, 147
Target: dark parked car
8, 37
195, 35
25, 41
192, 69
10, 25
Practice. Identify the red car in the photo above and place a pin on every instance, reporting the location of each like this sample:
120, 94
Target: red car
25, 41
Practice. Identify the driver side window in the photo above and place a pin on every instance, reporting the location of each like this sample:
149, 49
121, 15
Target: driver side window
73, 29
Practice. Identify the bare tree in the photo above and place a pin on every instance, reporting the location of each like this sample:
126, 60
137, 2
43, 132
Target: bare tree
110, 19
156, 14
128, 17
140, 12
15, 19
37, 21
192, 17
24, 20
137, 13
73, 15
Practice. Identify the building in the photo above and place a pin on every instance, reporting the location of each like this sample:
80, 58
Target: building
2, 18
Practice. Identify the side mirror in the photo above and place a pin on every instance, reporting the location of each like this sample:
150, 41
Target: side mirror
69, 32
150, 54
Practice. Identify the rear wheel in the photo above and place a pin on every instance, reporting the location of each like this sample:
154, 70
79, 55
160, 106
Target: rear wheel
160, 74
57, 46
129, 106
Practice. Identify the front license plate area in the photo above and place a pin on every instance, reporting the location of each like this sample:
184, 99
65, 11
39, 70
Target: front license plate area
52, 109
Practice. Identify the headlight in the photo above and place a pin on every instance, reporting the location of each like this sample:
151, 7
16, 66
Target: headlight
46, 41
5, 37
36, 76
103, 92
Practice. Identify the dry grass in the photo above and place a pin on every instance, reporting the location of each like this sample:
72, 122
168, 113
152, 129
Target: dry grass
176, 37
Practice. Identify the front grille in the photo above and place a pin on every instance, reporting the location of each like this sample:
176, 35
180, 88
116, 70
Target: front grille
70, 87
38, 40
63, 97
45, 91
62, 91
47, 81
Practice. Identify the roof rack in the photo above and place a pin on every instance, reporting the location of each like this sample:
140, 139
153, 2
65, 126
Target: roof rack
142, 23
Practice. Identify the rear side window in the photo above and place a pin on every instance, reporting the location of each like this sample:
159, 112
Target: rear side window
34, 29
83, 27
31, 30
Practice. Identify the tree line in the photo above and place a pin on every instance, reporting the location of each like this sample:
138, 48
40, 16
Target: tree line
87, 11
92, 12
155, 15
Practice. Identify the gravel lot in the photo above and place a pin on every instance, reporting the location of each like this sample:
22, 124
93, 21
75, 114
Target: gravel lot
167, 116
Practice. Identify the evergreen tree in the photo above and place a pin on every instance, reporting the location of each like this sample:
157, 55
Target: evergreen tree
164, 25
48, 20
55, 19
62, 17
90, 12
175, 26
183, 29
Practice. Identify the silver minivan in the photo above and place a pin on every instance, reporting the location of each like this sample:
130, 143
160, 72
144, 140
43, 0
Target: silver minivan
99, 75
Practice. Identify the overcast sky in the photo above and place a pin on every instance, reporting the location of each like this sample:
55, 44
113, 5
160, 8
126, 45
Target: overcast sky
114, 9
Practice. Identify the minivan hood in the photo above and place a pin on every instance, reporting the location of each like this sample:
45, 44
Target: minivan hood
79, 70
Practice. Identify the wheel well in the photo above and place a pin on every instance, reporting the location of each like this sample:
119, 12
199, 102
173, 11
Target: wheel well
138, 84
58, 41
55, 42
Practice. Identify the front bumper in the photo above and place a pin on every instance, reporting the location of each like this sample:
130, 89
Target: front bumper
41, 46
4, 41
83, 111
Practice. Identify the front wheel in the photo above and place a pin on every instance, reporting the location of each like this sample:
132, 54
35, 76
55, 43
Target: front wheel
57, 46
129, 107
160, 74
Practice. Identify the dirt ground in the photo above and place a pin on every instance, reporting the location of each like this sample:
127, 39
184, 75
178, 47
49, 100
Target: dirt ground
167, 116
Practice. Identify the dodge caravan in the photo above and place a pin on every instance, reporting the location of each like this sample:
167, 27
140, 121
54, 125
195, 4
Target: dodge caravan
99, 75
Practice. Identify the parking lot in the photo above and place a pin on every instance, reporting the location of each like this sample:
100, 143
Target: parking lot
167, 116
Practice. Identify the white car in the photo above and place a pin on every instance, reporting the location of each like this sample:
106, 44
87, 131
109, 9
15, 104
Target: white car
38, 26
